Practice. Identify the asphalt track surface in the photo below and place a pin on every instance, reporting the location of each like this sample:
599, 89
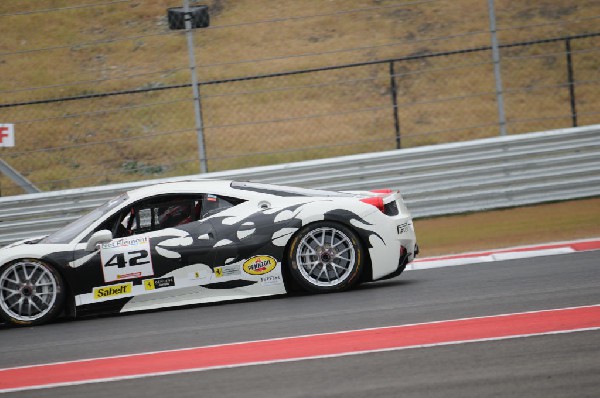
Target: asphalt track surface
555, 365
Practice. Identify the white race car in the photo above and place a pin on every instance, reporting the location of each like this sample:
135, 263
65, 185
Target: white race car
203, 241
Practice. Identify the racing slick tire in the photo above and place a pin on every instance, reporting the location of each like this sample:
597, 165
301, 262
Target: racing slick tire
31, 292
325, 257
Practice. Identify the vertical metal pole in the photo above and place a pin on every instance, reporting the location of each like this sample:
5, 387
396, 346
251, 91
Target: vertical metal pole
394, 93
571, 82
497, 76
195, 87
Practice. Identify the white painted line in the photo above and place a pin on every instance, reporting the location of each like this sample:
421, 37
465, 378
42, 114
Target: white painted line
512, 253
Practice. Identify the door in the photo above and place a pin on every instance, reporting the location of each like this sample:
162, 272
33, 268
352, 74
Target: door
160, 244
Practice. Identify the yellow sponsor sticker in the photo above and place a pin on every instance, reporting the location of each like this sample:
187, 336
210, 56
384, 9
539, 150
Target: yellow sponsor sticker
260, 265
149, 284
113, 290
218, 272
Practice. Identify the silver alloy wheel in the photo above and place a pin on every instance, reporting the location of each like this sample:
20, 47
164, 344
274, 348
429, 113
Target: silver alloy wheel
28, 291
325, 257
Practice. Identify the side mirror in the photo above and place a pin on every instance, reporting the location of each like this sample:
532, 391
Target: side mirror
102, 236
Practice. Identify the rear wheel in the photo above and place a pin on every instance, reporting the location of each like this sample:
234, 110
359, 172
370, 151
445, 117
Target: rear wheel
31, 292
325, 257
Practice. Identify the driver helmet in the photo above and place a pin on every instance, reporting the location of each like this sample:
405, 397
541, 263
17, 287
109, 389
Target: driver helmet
175, 215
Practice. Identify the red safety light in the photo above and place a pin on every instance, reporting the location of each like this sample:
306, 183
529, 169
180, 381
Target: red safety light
376, 201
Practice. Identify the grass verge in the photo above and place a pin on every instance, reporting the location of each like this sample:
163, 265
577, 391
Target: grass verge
570, 220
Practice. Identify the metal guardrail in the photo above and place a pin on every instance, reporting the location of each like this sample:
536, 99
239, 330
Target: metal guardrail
434, 180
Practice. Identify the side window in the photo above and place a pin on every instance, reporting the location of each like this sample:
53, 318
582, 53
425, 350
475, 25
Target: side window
165, 212
145, 219
176, 212
213, 204
158, 213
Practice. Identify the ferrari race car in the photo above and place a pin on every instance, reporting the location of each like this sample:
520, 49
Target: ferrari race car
202, 241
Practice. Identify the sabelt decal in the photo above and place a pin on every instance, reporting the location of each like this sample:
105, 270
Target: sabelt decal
152, 284
260, 265
111, 291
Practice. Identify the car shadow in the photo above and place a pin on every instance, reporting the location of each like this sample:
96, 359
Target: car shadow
382, 284
386, 283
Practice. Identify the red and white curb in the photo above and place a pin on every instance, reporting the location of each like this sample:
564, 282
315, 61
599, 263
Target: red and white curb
327, 345
505, 254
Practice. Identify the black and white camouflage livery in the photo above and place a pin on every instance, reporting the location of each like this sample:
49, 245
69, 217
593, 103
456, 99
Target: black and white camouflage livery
239, 240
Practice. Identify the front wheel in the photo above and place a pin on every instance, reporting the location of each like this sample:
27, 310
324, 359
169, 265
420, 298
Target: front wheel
325, 257
31, 292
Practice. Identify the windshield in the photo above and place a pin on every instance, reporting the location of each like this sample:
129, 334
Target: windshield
70, 231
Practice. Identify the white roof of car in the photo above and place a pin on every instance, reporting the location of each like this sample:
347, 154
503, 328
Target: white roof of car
246, 190
222, 187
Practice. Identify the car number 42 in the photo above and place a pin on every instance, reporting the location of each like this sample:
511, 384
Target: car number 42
128, 259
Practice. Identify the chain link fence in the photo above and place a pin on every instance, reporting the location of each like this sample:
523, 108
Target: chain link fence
114, 103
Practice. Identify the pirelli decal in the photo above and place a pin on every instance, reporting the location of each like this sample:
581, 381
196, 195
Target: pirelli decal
120, 289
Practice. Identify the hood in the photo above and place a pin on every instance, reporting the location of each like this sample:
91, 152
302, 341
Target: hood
29, 241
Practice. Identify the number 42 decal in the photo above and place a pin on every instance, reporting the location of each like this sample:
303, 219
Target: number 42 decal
131, 259
128, 260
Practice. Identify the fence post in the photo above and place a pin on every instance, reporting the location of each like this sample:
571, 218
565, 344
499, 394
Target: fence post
394, 93
571, 81
497, 75
195, 88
